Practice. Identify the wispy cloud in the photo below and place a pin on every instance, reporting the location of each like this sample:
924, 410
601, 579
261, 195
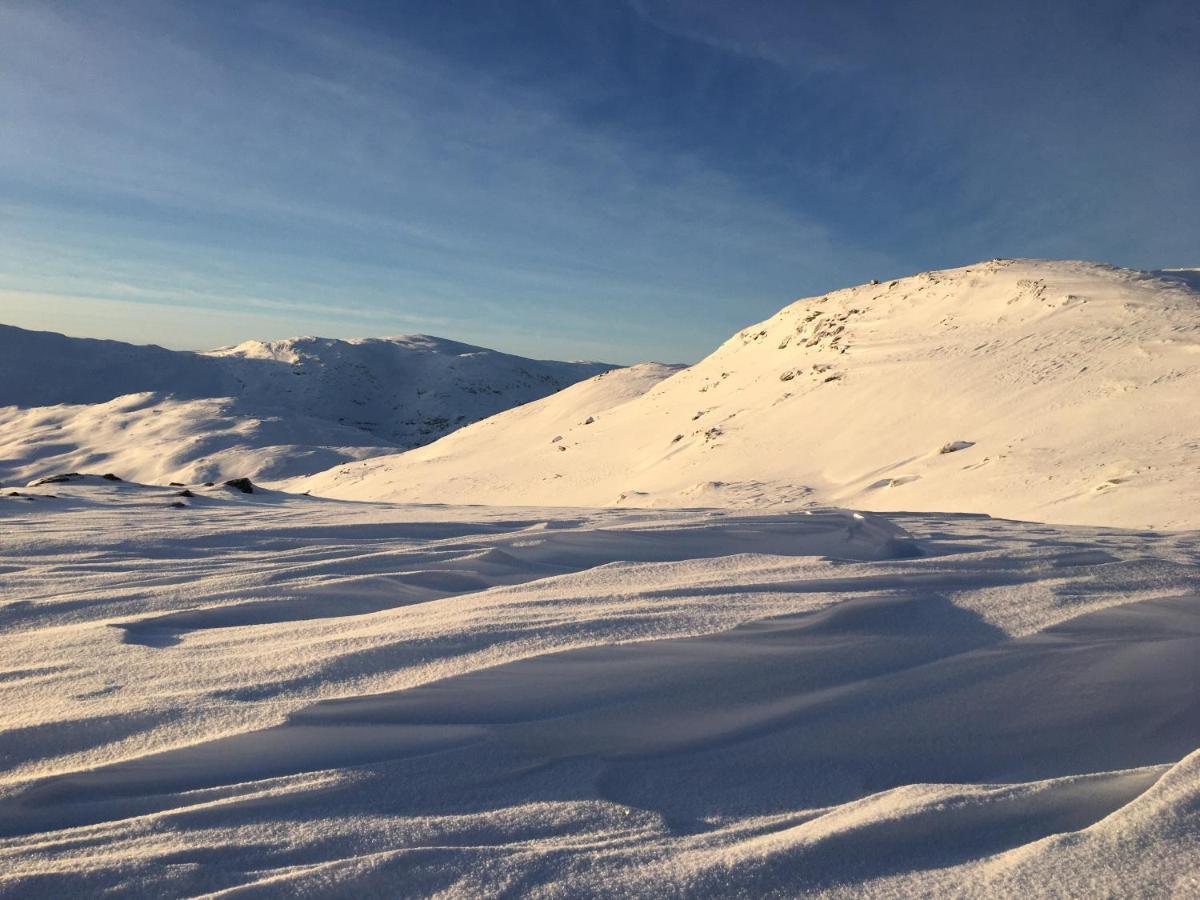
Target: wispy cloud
351, 157
519, 175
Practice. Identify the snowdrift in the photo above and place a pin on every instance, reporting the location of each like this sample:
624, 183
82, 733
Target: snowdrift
289, 695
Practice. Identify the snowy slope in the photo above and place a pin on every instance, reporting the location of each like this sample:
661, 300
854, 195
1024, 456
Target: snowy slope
1060, 391
270, 411
157, 439
296, 696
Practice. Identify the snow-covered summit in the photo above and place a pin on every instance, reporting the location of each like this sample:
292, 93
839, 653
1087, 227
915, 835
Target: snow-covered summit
1057, 391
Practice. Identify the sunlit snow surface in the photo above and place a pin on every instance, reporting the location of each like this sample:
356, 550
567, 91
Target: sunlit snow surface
299, 695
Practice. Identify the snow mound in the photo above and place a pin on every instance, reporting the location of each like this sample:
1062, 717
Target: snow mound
156, 439
1059, 391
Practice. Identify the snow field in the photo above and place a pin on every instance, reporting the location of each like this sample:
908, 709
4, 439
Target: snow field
300, 695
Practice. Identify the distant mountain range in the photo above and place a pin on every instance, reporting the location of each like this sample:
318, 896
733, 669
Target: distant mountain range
268, 410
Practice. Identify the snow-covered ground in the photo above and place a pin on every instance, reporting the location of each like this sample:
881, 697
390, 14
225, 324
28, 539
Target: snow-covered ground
663, 660
298, 695
1052, 391
266, 410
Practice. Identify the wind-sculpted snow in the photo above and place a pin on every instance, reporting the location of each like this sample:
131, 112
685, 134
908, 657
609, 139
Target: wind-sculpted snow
1049, 391
296, 695
268, 410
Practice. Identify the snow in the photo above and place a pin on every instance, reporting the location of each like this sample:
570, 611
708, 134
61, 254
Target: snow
298, 695
158, 439
271, 411
1067, 388
895, 594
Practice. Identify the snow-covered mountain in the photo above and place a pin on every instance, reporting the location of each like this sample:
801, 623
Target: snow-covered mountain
269, 410
1056, 391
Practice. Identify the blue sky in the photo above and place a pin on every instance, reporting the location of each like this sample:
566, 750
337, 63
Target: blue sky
621, 179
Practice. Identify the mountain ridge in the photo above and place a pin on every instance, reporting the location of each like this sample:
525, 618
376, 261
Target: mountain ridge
266, 409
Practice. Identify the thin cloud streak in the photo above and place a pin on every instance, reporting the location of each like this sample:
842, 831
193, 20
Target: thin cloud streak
673, 171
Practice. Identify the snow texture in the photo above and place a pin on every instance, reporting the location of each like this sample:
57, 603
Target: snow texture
294, 695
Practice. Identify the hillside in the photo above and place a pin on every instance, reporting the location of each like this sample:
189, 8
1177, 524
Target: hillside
270, 410
1053, 391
